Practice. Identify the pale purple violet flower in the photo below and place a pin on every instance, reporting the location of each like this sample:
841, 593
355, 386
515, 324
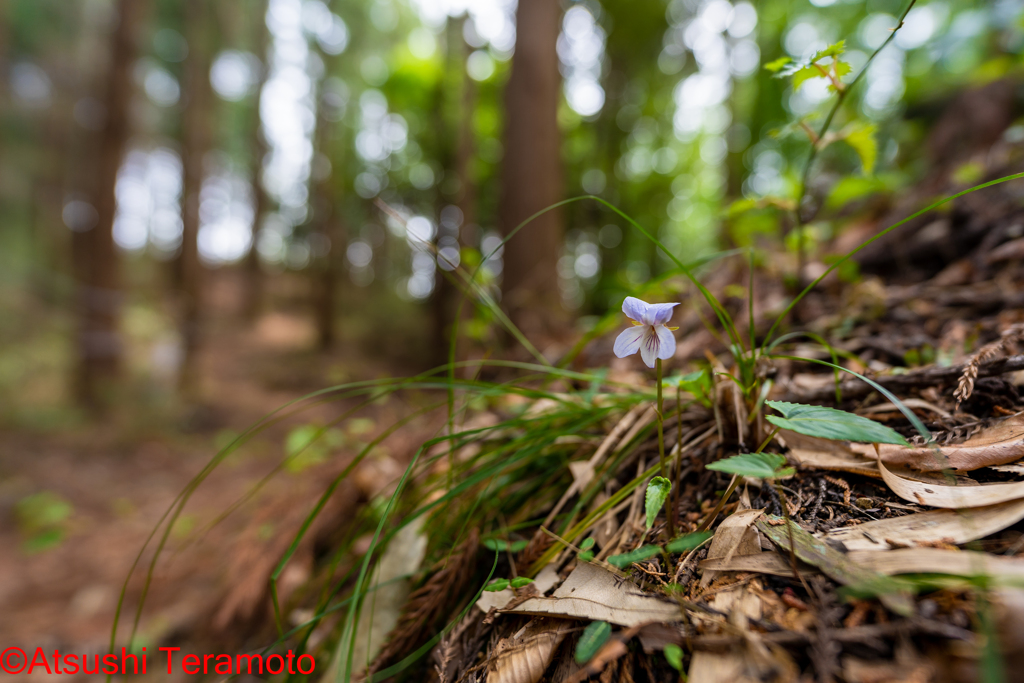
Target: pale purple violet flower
649, 335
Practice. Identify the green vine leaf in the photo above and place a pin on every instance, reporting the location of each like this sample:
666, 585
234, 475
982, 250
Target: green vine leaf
829, 423
520, 581
758, 465
497, 585
657, 493
594, 636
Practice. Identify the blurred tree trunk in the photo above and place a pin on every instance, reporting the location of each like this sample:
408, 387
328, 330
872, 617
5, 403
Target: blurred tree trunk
531, 174
327, 241
99, 344
195, 143
456, 97
254, 276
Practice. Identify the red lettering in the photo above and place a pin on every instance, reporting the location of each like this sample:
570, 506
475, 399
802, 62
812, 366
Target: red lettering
185, 664
290, 658
39, 659
170, 653
85, 664
143, 660
124, 661
110, 661
226, 665
248, 663
279, 669
56, 662
72, 661
312, 664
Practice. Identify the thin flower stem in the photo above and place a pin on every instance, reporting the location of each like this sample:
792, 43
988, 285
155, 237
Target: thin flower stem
661, 444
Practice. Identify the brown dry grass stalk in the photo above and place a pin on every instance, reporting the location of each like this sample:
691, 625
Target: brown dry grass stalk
1007, 341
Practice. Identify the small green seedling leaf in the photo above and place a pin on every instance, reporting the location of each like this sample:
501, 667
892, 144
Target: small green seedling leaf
500, 545
657, 493
496, 585
594, 636
759, 465
587, 543
585, 556
639, 555
829, 423
688, 542
674, 656
778, 64
521, 581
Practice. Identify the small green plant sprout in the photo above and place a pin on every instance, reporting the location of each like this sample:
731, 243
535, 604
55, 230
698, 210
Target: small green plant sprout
674, 656
639, 555
756, 465
501, 546
656, 343
829, 423
657, 493
595, 635
688, 542
498, 585
41, 519
586, 553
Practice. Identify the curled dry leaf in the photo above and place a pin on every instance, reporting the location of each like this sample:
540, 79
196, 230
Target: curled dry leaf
591, 592
524, 657
1000, 444
950, 496
960, 526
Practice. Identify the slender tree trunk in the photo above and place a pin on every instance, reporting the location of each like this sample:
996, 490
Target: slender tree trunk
195, 138
254, 276
531, 173
94, 254
327, 226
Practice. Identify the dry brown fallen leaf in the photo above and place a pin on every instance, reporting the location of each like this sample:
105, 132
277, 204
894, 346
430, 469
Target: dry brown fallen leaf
960, 526
1004, 571
591, 592
823, 454
734, 536
953, 497
523, 657
999, 444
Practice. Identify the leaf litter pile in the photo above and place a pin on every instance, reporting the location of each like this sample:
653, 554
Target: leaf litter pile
823, 526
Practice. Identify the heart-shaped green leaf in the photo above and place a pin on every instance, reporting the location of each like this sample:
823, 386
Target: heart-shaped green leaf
657, 494
829, 423
594, 636
639, 555
688, 542
759, 465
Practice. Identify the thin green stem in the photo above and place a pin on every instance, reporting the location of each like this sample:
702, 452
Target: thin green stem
661, 444
813, 154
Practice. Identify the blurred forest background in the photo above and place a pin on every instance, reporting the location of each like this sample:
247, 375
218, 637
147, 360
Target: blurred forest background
208, 208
